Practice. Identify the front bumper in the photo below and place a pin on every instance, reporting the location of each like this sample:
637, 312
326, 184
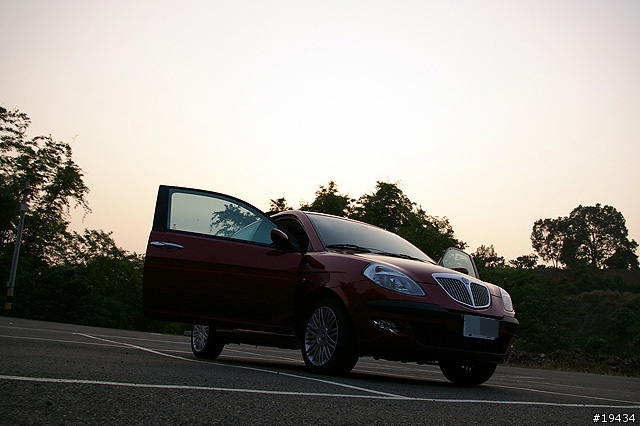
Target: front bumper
428, 332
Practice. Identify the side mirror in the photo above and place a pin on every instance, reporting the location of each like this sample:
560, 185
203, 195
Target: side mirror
280, 239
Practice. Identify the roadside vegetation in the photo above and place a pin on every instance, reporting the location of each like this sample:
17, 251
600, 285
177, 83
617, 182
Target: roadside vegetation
579, 309
580, 320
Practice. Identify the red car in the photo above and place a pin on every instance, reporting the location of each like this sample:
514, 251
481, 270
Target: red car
335, 288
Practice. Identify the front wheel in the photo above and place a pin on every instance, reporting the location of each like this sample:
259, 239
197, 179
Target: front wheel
467, 373
205, 342
329, 345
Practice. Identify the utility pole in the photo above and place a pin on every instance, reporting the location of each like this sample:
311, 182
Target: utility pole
16, 251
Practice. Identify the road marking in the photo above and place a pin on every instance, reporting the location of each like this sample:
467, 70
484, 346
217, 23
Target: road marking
334, 383
262, 356
187, 387
135, 347
48, 330
63, 341
565, 394
375, 394
385, 394
308, 394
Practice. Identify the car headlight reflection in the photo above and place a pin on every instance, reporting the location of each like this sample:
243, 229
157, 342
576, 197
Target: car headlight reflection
392, 279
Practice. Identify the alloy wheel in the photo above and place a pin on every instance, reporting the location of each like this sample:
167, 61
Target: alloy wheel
199, 337
321, 336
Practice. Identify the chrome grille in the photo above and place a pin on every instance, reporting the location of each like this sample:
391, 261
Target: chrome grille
464, 291
456, 290
480, 295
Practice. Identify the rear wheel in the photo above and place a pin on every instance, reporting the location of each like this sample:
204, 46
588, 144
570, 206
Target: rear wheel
205, 342
329, 341
467, 373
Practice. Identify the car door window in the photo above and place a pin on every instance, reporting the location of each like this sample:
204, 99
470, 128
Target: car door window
216, 215
454, 258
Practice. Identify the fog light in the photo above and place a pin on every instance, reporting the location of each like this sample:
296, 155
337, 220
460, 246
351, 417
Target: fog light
385, 325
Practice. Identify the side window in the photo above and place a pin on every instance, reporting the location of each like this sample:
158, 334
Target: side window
216, 215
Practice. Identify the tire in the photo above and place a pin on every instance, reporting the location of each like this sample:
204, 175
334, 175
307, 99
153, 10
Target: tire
205, 343
329, 345
467, 374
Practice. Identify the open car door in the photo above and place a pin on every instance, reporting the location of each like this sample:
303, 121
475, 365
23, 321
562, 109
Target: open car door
209, 254
458, 260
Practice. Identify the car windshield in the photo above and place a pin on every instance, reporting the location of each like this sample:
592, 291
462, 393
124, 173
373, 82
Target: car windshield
337, 232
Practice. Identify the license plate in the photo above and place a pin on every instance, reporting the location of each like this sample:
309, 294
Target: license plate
480, 328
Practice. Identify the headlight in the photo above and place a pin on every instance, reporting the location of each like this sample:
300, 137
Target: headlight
392, 279
506, 300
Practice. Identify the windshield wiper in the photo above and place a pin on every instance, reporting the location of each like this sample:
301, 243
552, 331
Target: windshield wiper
353, 247
400, 255
361, 249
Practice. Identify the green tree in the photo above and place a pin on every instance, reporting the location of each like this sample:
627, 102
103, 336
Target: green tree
592, 235
598, 235
62, 275
486, 257
527, 261
279, 205
329, 200
56, 186
92, 244
547, 239
389, 208
432, 234
99, 284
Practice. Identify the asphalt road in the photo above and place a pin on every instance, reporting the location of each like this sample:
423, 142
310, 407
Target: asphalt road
61, 374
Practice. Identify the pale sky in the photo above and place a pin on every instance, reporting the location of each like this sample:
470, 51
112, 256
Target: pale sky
492, 113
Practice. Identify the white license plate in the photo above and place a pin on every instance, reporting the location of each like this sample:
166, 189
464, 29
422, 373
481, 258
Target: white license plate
480, 328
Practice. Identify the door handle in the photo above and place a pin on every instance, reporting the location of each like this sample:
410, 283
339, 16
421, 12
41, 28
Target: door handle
166, 245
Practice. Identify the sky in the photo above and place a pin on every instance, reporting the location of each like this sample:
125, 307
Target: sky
493, 114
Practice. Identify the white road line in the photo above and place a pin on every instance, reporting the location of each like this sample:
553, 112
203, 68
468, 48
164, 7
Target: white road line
311, 394
135, 347
173, 342
63, 341
400, 376
394, 396
186, 387
376, 394
361, 389
261, 356
597, 398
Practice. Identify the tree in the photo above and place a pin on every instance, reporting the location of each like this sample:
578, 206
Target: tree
486, 257
65, 276
329, 200
56, 185
99, 284
389, 208
92, 244
547, 239
592, 235
279, 205
598, 235
432, 234
527, 261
